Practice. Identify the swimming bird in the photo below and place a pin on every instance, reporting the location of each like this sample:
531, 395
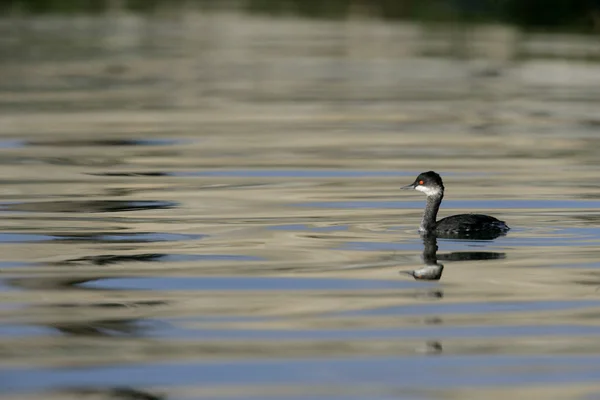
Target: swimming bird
475, 226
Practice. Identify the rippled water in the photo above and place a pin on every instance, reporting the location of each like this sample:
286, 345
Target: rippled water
225, 221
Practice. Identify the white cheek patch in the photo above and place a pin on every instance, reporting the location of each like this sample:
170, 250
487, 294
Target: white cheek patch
427, 190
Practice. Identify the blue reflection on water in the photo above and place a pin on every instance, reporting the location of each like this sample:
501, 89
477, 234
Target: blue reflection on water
24, 238
11, 143
553, 236
140, 237
446, 372
474, 308
247, 283
432, 332
208, 257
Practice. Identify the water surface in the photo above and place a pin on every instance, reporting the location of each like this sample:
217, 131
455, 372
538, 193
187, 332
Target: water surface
209, 207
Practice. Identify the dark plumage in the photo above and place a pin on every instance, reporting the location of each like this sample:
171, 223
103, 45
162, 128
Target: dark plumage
476, 226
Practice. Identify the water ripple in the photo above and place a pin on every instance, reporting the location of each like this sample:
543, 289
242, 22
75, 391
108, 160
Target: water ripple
248, 283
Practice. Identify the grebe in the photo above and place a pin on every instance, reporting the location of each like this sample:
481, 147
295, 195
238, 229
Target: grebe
463, 225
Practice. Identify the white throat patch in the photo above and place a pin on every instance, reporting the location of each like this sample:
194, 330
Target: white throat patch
428, 191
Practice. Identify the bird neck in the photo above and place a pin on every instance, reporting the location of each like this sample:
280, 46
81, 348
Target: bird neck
431, 210
430, 248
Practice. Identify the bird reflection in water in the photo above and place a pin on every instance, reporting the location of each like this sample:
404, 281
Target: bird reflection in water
432, 271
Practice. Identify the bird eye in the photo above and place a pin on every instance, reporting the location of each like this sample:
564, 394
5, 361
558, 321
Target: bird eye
420, 182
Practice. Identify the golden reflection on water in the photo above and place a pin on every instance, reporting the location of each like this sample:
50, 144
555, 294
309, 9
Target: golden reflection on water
170, 177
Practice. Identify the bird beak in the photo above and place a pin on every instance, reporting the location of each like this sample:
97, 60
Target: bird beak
407, 187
